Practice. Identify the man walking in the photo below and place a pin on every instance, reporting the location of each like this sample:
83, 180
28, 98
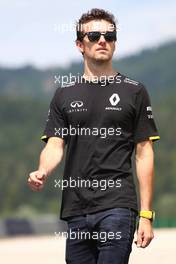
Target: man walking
103, 118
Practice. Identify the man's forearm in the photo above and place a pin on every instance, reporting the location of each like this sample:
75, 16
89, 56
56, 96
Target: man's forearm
145, 175
49, 159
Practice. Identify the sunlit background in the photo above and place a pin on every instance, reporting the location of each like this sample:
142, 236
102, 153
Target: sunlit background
42, 33
37, 44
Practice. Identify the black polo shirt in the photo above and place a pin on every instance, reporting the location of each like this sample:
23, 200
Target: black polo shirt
100, 122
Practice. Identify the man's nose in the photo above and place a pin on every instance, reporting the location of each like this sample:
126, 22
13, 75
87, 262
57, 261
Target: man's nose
102, 39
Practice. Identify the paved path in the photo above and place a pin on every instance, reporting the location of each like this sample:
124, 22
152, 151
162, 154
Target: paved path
51, 250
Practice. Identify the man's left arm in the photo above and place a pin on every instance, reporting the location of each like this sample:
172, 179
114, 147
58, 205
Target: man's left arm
144, 157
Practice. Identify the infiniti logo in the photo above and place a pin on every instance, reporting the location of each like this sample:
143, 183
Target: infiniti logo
76, 103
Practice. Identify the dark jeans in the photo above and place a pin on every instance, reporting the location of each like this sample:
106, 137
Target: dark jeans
104, 237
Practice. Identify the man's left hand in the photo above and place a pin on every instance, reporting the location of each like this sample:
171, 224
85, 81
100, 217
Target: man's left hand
144, 232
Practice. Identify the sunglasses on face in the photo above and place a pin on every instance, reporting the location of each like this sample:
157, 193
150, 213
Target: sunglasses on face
95, 36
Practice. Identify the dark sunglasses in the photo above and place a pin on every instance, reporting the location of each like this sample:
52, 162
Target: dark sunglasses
95, 36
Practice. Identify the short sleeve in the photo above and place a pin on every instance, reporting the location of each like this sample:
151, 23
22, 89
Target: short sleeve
56, 122
145, 127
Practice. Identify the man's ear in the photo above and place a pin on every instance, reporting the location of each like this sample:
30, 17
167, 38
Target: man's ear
80, 46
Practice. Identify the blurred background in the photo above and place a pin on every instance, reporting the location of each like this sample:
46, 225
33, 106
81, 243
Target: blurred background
37, 44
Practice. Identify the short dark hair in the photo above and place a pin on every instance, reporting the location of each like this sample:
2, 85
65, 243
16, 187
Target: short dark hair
93, 14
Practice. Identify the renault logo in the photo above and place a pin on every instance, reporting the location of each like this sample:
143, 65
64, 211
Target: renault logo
114, 99
76, 104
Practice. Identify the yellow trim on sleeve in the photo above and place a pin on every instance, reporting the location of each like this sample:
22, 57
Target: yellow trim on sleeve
43, 137
154, 137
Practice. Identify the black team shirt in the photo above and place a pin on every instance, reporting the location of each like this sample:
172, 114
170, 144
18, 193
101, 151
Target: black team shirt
100, 122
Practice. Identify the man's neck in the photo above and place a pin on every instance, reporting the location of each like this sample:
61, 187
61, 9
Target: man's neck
98, 69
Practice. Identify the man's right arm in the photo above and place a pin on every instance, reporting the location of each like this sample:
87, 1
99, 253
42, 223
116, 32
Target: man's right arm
50, 158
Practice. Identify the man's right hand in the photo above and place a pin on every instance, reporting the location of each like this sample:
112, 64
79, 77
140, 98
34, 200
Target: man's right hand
36, 180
